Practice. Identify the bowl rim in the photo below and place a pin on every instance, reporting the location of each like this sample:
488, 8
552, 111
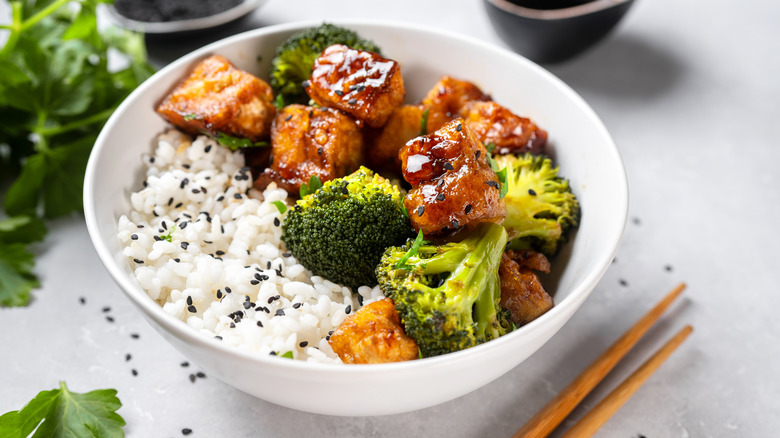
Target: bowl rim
193, 24
588, 8
181, 330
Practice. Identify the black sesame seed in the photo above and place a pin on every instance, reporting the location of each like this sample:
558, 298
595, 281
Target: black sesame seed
220, 198
348, 310
110, 318
636, 221
339, 93
228, 290
311, 113
140, 262
468, 208
288, 118
134, 371
184, 182
254, 282
178, 205
135, 335
186, 166
279, 312
273, 353
455, 224
459, 127
448, 166
183, 225
303, 343
189, 300
177, 260
219, 294
196, 191
668, 268
237, 195
276, 222
82, 300
287, 254
360, 299
319, 151
477, 154
200, 373
208, 149
532, 192
184, 364
186, 431
192, 378
220, 252
203, 189
259, 324
219, 338
164, 225
440, 183
352, 101
158, 238
361, 88
623, 282
305, 84
154, 212
151, 159
170, 201
440, 197
128, 356
296, 305
493, 184
134, 237
192, 309
106, 309
268, 265
184, 245
247, 305
232, 325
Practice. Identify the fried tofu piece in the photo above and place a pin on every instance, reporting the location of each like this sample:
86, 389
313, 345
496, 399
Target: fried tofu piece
373, 334
403, 125
446, 99
522, 292
452, 183
510, 133
362, 84
217, 97
308, 141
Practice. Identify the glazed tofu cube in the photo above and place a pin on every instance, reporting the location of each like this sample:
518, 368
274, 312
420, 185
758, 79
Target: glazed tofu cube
308, 141
373, 334
362, 84
217, 97
452, 183
403, 125
446, 99
521, 291
510, 133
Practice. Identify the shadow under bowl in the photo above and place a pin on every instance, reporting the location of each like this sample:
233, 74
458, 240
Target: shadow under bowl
555, 35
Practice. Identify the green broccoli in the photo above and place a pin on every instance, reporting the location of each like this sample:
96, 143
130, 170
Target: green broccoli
448, 296
340, 231
295, 57
540, 207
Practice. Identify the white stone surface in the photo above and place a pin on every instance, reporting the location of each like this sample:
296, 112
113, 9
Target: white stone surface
691, 94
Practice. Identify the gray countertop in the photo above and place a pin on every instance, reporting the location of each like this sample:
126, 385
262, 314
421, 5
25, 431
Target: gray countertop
691, 94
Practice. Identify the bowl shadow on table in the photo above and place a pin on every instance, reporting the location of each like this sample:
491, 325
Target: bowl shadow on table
623, 67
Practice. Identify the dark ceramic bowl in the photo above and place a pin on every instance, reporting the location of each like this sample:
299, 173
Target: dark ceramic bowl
555, 35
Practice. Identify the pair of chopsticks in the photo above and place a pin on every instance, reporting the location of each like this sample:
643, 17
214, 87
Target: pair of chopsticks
546, 420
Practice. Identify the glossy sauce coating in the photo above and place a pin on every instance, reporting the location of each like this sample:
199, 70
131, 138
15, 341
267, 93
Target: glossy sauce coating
510, 133
216, 97
362, 84
308, 141
446, 99
373, 334
452, 183
522, 292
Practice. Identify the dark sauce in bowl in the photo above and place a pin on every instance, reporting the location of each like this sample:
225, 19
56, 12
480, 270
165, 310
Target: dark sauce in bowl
549, 4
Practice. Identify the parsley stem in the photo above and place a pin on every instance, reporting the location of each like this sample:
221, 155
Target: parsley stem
42, 14
15, 27
97, 117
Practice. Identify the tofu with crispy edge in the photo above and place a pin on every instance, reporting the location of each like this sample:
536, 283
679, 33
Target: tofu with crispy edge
446, 99
373, 334
362, 84
452, 183
522, 292
217, 97
510, 133
308, 141
403, 125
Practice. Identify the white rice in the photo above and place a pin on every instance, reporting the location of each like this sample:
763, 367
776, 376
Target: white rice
225, 271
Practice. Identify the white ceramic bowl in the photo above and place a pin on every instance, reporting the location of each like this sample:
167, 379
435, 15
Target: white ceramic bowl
582, 147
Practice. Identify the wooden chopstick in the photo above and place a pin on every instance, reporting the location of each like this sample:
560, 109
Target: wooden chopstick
593, 420
547, 419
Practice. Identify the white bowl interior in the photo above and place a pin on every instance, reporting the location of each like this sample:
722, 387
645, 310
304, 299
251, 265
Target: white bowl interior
582, 146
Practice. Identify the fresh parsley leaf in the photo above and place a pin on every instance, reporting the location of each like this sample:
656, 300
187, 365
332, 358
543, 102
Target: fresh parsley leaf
502, 180
279, 102
287, 355
281, 206
490, 147
63, 413
314, 184
235, 143
418, 241
189, 117
424, 122
16, 277
169, 237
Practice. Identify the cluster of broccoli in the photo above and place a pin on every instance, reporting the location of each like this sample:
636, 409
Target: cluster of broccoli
355, 231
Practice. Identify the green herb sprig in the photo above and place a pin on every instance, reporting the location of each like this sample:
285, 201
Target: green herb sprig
55, 94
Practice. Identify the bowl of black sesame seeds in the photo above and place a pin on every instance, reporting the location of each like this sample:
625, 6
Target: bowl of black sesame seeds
173, 16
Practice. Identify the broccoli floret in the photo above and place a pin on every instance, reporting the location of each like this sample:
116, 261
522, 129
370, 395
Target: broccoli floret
448, 296
340, 231
295, 57
540, 207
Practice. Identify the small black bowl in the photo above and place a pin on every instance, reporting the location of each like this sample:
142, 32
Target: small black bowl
554, 35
